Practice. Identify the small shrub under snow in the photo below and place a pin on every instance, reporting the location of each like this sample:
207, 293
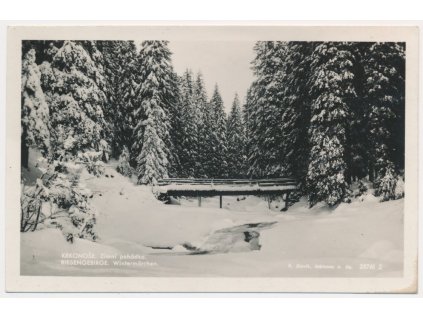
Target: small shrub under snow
59, 200
385, 186
92, 162
123, 166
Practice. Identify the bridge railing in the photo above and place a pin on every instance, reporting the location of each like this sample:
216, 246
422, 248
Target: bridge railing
208, 181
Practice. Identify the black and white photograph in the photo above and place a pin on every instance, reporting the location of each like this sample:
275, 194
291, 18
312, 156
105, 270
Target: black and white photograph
185, 158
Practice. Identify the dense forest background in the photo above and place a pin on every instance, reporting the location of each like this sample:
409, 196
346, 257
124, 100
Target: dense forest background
331, 114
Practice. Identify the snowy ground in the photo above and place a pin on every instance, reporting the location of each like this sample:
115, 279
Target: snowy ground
140, 236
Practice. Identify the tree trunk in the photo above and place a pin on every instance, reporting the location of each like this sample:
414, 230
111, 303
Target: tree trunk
37, 218
24, 151
371, 173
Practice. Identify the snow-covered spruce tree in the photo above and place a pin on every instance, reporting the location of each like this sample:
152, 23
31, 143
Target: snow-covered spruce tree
235, 134
204, 117
74, 91
255, 114
398, 138
176, 130
121, 82
331, 90
385, 85
255, 136
266, 157
249, 123
357, 146
296, 110
218, 167
151, 134
34, 110
189, 139
112, 65
91, 47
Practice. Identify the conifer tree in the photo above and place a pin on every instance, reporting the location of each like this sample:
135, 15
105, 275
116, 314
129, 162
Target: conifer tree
121, 82
357, 146
385, 86
35, 112
74, 91
151, 134
175, 109
236, 141
189, 139
248, 111
266, 158
203, 113
91, 47
331, 90
218, 157
296, 111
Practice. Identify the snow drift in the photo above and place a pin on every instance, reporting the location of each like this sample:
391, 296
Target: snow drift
186, 240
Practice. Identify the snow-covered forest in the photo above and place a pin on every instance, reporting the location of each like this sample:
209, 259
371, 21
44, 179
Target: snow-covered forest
104, 114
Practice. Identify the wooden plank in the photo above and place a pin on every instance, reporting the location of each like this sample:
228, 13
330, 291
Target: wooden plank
205, 180
230, 183
269, 184
212, 192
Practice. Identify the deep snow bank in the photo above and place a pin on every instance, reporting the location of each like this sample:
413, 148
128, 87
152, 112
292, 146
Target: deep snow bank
300, 243
364, 230
130, 213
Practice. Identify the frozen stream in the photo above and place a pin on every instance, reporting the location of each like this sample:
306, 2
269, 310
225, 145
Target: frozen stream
240, 238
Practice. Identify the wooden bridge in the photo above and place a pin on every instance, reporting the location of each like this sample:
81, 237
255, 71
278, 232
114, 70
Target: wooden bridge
226, 187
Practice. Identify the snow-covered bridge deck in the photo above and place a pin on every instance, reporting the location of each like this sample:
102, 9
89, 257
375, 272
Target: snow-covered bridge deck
221, 187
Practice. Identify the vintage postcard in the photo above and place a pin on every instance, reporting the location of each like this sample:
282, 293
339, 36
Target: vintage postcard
212, 158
